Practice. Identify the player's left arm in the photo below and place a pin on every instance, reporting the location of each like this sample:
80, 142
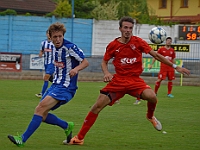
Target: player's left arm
78, 68
162, 59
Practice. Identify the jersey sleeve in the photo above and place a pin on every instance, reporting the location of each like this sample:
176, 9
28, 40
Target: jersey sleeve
144, 46
109, 52
76, 52
159, 50
42, 46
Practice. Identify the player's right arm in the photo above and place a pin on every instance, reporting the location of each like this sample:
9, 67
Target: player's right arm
107, 75
41, 53
162, 59
107, 56
153, 61
41, 49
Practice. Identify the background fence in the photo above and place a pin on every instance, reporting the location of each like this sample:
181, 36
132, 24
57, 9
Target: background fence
22, 34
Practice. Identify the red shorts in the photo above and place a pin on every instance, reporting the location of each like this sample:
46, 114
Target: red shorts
119, 86
164, 74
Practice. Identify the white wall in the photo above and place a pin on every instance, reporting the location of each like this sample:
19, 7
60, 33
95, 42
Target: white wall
105, 31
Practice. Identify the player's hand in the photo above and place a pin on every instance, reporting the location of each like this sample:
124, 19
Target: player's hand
108, 77
73, 72
150, 66
182, 70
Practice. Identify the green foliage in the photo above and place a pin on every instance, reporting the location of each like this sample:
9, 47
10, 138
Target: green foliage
63, 9
104, 10
120, 127
8, 12
28, 14
84, 8
124, 8
107, 11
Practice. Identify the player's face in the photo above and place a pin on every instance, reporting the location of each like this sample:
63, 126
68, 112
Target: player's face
168, 42
126, 29
57, 38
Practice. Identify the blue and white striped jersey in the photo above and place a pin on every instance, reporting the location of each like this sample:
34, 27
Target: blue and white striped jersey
47, 47
67, 57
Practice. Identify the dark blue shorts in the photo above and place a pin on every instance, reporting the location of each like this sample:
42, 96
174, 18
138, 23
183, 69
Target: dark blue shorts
60, 93
49, 69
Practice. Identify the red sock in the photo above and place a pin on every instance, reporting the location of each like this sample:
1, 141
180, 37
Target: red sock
88, 122
169, 87
157, 85
150, 109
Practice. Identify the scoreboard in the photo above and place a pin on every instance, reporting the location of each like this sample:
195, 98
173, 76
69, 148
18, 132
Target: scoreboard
189, 32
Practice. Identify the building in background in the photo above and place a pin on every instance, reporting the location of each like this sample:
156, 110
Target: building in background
180, 11
35, 7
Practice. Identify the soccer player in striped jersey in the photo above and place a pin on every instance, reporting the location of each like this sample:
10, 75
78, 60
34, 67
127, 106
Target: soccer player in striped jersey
68, 60
46, 48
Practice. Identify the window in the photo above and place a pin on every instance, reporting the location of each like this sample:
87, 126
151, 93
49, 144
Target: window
163, 4
184, 3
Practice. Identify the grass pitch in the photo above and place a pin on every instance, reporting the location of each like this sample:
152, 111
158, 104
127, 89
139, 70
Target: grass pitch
122, 126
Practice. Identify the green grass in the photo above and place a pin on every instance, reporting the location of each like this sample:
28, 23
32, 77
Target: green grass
122, 126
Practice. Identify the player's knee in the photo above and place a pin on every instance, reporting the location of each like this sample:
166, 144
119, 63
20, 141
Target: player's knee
96, 108
149, 95
46, 77
51, 78
39, 110
100, 104
153, 98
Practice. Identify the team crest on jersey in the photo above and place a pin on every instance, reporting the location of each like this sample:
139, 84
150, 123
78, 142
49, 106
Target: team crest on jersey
47, 50
59, 64
168, 57
132, 46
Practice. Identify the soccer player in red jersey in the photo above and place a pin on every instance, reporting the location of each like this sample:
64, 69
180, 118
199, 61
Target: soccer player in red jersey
126, 52
166, 71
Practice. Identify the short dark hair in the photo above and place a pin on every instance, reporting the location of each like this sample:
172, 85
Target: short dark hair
168, 38
125, 19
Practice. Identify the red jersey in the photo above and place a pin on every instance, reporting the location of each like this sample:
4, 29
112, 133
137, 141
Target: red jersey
168, 54
127, 58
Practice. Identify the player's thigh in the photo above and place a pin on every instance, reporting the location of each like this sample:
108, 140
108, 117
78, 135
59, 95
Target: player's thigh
46, 77
45, 105
111, 95
149, 95
102, 101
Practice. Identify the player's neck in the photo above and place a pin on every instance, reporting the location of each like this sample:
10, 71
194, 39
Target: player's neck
124, 40
167, 46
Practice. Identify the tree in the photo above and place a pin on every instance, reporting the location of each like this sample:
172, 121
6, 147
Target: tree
140, 11
8, 12
124, 8
106, 11
83, 8
63, 9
